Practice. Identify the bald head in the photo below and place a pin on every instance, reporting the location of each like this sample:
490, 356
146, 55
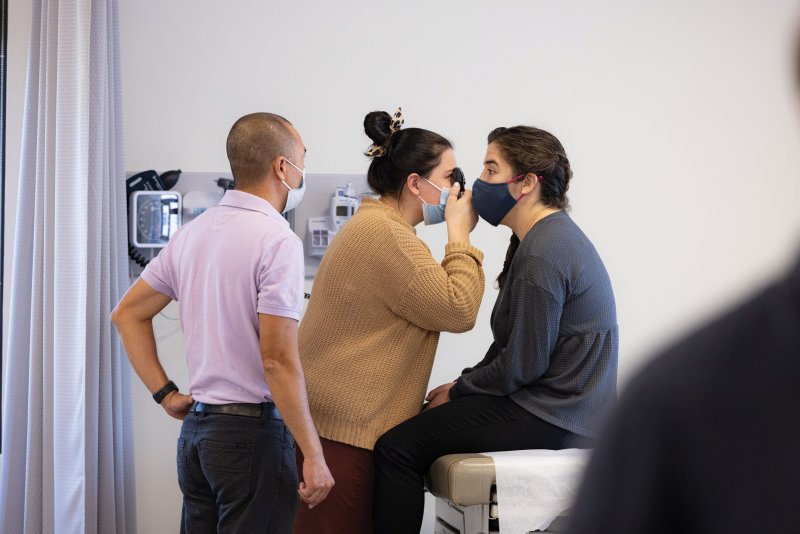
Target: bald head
255, 141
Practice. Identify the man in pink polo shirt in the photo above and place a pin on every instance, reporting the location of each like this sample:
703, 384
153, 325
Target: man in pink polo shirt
237, 273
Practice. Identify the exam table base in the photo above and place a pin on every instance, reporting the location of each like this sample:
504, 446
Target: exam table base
454, 519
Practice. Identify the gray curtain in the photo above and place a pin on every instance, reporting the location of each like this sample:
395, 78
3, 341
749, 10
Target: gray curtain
67, 462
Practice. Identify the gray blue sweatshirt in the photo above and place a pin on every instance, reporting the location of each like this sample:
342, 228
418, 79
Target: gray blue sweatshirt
555, 331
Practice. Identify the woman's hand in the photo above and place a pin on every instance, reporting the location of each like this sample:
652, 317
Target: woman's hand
460, 215
439, 396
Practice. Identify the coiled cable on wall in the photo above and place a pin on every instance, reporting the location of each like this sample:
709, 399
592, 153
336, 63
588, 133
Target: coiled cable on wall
134, 254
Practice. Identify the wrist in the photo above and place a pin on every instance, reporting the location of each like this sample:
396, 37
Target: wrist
314, 456
452, 393
457, 235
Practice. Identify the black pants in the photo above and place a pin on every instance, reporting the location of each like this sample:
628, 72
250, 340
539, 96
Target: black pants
237, 475
475, 423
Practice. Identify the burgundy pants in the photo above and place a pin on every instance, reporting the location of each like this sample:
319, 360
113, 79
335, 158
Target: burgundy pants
348, 507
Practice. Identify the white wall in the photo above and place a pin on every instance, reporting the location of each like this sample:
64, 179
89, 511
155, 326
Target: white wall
19, 17
678, 117
19, 25
19, 28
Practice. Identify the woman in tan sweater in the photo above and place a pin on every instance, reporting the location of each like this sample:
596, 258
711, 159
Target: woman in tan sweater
380, 299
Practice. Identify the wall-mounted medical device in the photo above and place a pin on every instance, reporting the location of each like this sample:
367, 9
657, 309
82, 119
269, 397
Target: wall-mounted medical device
320, 231
154, 216
145, 227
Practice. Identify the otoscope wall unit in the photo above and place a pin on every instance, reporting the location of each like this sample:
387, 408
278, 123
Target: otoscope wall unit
329, 202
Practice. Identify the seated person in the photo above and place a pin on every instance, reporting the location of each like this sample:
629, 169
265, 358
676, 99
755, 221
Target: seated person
552, 368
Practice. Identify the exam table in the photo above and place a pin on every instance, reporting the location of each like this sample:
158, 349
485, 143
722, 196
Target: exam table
466, 496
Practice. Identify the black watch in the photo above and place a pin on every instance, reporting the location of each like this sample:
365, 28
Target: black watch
159, 395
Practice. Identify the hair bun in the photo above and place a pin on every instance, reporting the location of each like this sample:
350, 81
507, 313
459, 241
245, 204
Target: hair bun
377, 126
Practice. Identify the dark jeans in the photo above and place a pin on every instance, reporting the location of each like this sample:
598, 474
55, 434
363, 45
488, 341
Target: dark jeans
475, 423
237, 474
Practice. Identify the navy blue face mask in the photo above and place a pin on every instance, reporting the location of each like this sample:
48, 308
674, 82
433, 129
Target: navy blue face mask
494, 201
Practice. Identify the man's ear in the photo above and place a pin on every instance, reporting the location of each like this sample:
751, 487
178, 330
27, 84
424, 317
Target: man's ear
277, 167
412, 182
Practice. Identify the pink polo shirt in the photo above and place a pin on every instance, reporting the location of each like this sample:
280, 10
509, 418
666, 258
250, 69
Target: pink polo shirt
225, 267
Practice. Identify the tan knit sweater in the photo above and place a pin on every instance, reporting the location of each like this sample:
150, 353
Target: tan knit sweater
369, 335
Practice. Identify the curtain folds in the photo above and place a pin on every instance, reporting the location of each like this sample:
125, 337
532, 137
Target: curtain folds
67, 462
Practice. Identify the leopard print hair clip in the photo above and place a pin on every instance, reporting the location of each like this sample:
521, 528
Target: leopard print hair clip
397, 120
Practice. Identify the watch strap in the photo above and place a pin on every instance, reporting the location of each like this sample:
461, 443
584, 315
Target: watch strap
159, 395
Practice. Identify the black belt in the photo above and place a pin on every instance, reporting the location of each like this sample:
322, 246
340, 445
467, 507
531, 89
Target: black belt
239, 408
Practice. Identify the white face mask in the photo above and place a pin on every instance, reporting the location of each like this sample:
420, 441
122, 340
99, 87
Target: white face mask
295, 195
